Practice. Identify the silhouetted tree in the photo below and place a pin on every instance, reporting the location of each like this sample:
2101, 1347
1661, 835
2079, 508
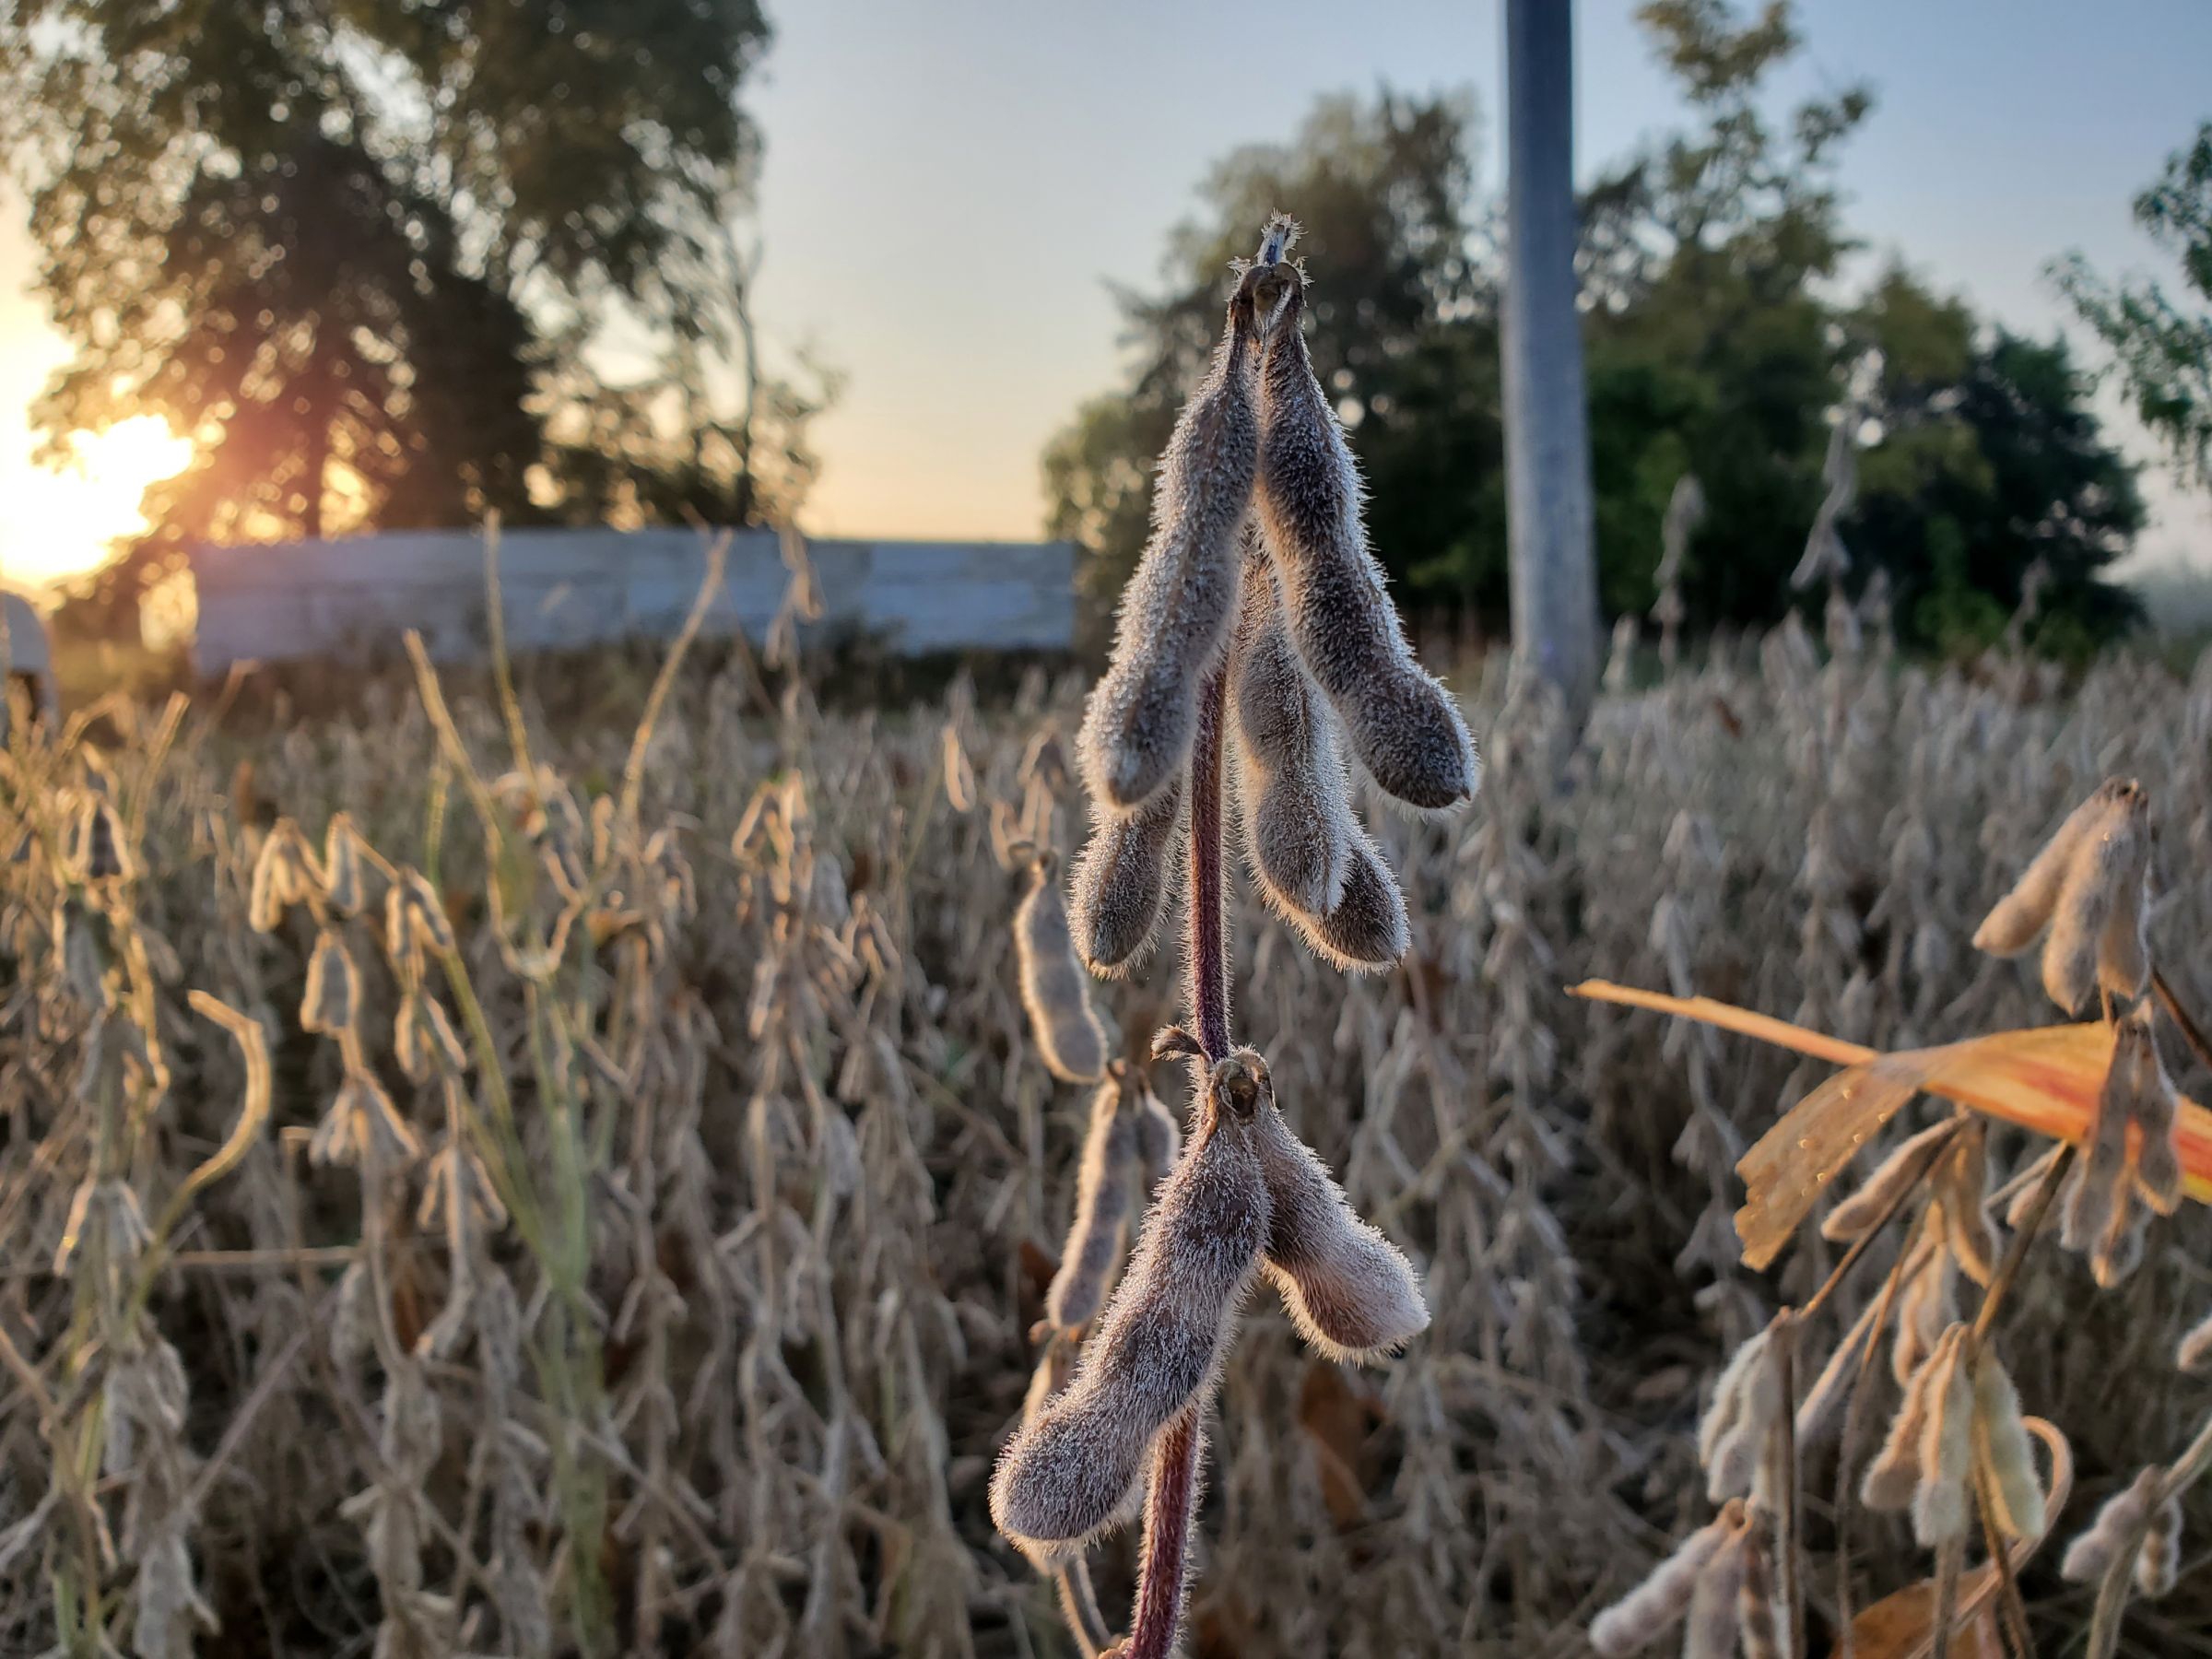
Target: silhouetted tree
360, 250
2163, 351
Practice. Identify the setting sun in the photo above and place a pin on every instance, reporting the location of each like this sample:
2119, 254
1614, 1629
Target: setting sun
59, 522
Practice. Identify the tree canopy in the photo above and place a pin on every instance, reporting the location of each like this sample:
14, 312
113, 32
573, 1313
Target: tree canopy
1721, 341
365, 254
2162, 349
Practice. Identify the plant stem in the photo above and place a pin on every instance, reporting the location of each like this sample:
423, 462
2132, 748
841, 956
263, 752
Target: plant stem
1172, 1491
2191, 1033
1789, 1524
1208, 954
1170, 1498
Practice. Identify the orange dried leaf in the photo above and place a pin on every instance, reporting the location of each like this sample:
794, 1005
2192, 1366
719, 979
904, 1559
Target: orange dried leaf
2046, 1079
1898, 1626
1335, 1418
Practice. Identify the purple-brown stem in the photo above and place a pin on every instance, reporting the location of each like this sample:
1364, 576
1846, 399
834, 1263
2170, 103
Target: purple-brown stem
1170, 1497
1206, 952
1172, 1490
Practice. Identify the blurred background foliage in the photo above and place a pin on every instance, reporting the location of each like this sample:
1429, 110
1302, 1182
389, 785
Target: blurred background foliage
396, 263
1724, 334
372, 254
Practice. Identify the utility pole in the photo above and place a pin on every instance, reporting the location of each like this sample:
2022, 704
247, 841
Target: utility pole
1548, 519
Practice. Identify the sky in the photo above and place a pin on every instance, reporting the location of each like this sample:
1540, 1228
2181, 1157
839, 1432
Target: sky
949, 189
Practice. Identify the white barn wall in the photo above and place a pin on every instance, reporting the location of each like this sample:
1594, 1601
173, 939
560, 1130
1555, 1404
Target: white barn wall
567, 588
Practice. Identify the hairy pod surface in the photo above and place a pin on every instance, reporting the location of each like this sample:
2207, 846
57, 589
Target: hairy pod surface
1403, 726
1101, 1209
1350, 1291
1052, 986
2159, 1560
2104, 876
2020, 918
1962, 1191
1175, 613
1925, 1308
1368, 930
1821, 1413
333, 991
1942, 1501
2097, 1215
2124, 949
1908, 1164
2002, 1443
2099, 1545
1157, 1349
1891, 1479
1747, 1403
1121, 881
1710, 1626
1158, 1137
1658, 1604
1293, 797
2154, 1108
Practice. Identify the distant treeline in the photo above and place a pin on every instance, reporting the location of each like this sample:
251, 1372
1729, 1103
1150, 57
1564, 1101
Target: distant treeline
1722, 343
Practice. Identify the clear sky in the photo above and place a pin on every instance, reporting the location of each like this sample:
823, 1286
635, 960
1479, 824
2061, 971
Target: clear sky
949, 188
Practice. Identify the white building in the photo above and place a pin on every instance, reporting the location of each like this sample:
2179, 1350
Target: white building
26, 656
569, 588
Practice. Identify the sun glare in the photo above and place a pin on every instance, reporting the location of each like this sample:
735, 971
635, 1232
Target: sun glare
60, 522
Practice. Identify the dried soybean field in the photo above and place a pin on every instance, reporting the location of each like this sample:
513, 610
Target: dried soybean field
488, 1175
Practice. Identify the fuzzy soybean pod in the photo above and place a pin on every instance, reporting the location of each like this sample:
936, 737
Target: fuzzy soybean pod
2019, 919
332, 996
1052, 986
1350, 1291
2001, 1443
1912, 1162
1158, 1348
1175, 613
1941, 1498
2105, 876
1963, 1195
1711, 1624
1821, 1412
2094, 1549
2159, 1560
1101, 1209
1293, 798
1158, 1136
1121, 881
1747, 1403
2098, 1189
2105, 880
1658, 1604
1891, 1479
2123, 948
2154, 1106
1368, 931
1403, 726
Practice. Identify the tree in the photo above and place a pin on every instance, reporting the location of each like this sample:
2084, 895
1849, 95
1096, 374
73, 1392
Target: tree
1381, 191
1720, 343
359, 249
1712, 349
1547, 423
2162, 351
1986, 462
